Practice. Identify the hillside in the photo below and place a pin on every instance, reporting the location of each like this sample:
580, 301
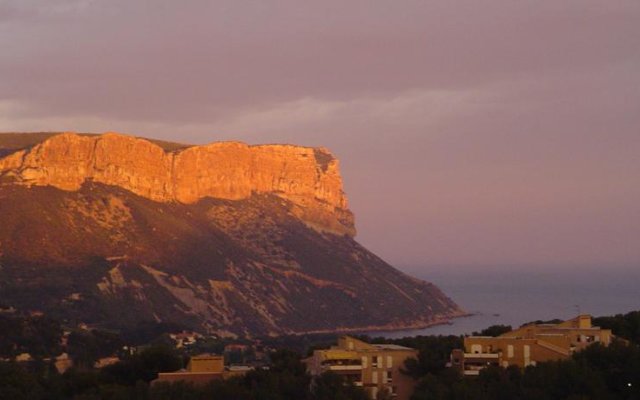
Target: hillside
224, 238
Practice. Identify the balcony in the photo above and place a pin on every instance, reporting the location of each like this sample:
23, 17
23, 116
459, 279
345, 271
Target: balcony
472, 372
344, 367
468, 356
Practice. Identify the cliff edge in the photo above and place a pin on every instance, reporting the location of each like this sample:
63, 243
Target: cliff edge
308, 177
225, 238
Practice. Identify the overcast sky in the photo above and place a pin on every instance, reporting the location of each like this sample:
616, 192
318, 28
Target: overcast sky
484, 133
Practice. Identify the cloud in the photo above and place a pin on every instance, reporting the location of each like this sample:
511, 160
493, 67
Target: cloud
468, 132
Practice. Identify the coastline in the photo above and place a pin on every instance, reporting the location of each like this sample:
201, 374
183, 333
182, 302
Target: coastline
393, 327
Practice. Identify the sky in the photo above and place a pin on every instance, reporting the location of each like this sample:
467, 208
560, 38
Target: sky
484, 134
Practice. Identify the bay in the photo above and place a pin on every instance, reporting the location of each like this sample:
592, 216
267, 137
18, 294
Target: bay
514, 296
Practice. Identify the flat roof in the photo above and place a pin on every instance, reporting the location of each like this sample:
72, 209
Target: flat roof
391, 347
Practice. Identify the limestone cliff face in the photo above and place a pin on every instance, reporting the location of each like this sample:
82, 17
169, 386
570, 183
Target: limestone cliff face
225, 238
308, 177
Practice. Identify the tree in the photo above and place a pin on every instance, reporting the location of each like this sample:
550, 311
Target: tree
17, 384
330, 386
493, 330
144, 366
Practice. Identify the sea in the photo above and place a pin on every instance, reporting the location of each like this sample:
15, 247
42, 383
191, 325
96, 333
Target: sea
515, 296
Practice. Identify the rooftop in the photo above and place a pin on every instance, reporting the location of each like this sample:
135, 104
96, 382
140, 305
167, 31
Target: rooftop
391, 347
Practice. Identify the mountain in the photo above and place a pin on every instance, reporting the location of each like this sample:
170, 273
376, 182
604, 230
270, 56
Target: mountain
226, 238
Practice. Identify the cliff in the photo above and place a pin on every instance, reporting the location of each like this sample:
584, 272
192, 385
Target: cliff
227, 238
308, 177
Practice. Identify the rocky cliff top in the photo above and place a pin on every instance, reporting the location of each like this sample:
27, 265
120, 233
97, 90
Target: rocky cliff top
308, 178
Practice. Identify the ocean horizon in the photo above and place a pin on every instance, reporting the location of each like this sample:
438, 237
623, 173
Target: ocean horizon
502, 296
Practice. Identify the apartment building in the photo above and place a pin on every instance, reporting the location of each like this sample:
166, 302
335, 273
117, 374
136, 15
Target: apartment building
375, 367
200, 370
529, 345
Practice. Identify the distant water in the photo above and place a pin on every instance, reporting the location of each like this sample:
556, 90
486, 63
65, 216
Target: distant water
513, 297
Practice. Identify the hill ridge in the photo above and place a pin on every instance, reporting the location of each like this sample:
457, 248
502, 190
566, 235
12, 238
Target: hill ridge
308, 177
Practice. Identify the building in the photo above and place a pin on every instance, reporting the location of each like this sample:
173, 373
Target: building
105, 361
63, 362
528, 345
375, 367
200, 370
185, 338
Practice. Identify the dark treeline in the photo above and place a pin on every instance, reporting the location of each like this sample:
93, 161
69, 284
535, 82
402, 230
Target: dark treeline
131, 377
597, 373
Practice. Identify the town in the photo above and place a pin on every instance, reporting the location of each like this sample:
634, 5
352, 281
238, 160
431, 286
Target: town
329, 365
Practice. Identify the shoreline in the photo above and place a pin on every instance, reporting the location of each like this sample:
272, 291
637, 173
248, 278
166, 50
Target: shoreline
386, 328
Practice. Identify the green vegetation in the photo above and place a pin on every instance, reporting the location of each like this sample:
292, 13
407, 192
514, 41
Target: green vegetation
597, 373
39, 336
493, 330
129, 379
623, 325
15, 141
434, 352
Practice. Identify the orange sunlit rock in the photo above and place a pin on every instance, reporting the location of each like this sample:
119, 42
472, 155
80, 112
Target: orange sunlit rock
308, 177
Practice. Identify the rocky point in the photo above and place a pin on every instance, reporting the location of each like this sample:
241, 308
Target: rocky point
226, 238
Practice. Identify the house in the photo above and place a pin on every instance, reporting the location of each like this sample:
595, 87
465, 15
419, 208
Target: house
106, 361
63, 362
185, 338
200, 370
24, 357
375, 367
528, 345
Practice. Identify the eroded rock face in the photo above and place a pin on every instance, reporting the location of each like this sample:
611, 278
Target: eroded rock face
309, 178
226, 238
227, 267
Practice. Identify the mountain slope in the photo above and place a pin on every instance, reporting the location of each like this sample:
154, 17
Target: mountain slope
269, 249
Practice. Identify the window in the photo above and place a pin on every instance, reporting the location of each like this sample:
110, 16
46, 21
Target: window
389, 362
374, 377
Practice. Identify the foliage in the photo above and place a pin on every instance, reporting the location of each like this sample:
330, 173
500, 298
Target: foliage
626, 326
147, 331
130, 379
303, 344
494, 330
143, 366
39, 336
85, 347
330, 386
433, 352
17, 384
596, 373
540, 321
